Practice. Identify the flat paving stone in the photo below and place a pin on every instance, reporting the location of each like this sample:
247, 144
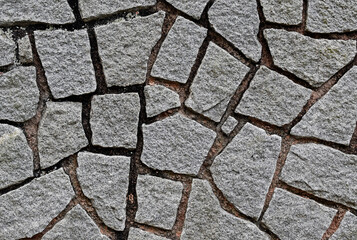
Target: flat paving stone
160, 99
347, 229
138, 234
192, 8
229, 125
285, 12
7, 49
25, 51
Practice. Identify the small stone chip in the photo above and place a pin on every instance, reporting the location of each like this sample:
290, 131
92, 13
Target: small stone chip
193, 8
138, 234
347, 229
7, 49
229, 125
160, 99
285, 12
25, 51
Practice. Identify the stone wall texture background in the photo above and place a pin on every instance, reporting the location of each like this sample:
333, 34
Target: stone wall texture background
178, 119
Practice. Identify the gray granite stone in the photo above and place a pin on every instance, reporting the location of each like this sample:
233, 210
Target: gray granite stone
160, 99
179, 51
208, 97
75, 225
60, 132
19, 94
229, 125
176, 143
285, 12
205, 219
125, 47
114, 120
39, 11
158, 200
25, 51
7, 49
273, 98
27, 210
333, 117
238, 22
332, 16
105, 180
245, 168
347, 229
66, 59
192, 8
322, 171
293, 217
138, 234
314, 60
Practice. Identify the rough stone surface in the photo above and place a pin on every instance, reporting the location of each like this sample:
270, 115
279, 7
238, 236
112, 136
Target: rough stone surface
229, 125
245, 168
273, 98
323, 171
60, 132
347, 229
285, 12
159, 99
332, 16
7, 49
293, 217
333, 117
19, 94
238, 22
25, 51
215, 83
137, 234
314, 60
125, 47
205, 219
193, 8
26, 211
179, 51
65, 56
114, 120
105, 180
177, 144
75, 225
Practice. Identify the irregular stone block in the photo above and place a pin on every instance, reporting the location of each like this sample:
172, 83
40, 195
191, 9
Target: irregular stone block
19, 94
67, 62
293, 217
7, 49
114, 120
238, 21
177, 144
25, 51
205, 219
347, 229
105, 181
179, 51
193, 8
27, 210
314, 60
138, 234
160, 99
125, 47
229, 125
207, 96
60, 132
245, 168
285, 12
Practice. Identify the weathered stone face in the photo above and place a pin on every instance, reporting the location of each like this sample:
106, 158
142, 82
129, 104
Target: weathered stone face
7, 49
137, 234
192, 8
285, 12
159, 99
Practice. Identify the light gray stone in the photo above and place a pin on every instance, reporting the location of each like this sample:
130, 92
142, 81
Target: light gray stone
25, 51
347, 229
322, 171
238, 21
105, 181
67, 62
27, 210
332, 16
138, 234
193, 8
160, 99
114, 120
283, 11
229, 125
125, 47
245, 168
158, 200
39, 11
333, 117
19, 94
314, 60
205, 219
217, 79
179, 51
60, 132
75, 225
292, 217
176, 143
7, 49
273, 98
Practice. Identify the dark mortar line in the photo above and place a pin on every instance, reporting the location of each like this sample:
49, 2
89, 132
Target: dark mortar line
143, 169
173, 85
7, 68
126, 89
305, 8
153, 229
109, 151
75, 9
16, 186
201, 119
204, 19
161, 116
335, 223
86, 110
353, 141
12, 123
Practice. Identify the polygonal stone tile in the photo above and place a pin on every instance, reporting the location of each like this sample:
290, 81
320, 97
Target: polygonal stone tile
192, 8
7, 49
347, 229
285, 12
138, 234
229, 125
25, 51
160, 99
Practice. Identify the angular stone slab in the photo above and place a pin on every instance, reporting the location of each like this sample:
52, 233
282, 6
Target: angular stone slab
217, 79
238, 21
322, 171
27, 210
273, 98
205, 219
60, 132
19, 94
192, 8
160, 99
179, 51
229, 125
176, 143
7, 49
285, 12
65, 56
245, 168
105, 180
125, 47
114, 120
292, 217
314, 60
347, 229
25, 51
138, 234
